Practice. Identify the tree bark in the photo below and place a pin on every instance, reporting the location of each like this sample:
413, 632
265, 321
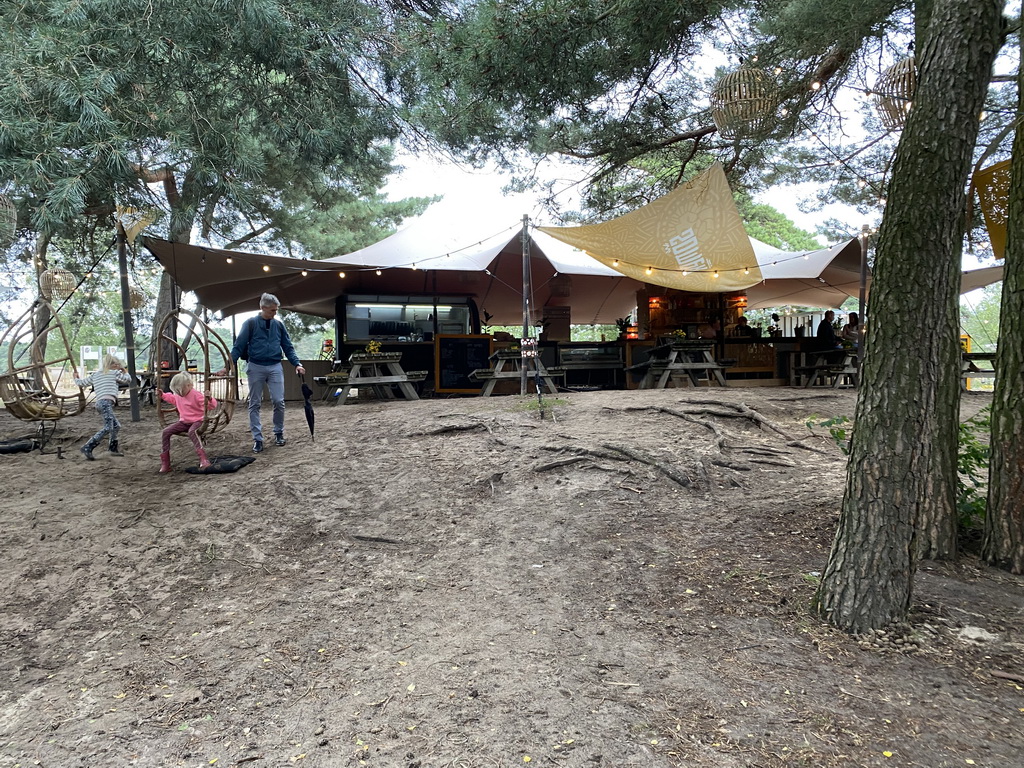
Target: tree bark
901, 475
180, 231
1003, 545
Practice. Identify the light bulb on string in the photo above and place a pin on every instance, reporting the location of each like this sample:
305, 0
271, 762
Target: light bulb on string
648, 271
266, 268
341, 274
379, 272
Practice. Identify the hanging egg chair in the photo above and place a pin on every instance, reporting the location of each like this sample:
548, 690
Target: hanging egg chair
894, 93
743, 104
37, 350
186, 343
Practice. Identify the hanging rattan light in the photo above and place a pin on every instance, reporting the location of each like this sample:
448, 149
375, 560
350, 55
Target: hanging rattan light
743, 103
136, 297
894, 93
57, 284
8, 221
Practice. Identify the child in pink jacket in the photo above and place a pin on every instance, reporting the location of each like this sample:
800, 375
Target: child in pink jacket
191, 407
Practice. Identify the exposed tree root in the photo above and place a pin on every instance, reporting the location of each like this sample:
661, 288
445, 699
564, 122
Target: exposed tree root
665, 469
560, 463
450, 428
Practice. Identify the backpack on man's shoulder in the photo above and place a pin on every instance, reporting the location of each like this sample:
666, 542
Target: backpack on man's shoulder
244, 354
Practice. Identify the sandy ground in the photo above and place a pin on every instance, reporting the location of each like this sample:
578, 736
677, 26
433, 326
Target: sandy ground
620, 580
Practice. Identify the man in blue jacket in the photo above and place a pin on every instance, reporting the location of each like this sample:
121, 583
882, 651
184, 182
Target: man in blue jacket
262, 343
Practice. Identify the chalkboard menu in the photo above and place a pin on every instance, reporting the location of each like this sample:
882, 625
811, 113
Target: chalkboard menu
455, 357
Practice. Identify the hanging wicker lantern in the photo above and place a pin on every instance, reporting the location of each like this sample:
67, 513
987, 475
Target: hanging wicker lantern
136, 297
894, 93
8, 222
57, 284
743, 104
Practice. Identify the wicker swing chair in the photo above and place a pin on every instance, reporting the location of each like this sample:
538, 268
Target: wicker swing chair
36, 346
193, 354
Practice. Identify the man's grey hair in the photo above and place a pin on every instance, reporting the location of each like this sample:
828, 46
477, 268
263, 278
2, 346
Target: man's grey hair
269, 300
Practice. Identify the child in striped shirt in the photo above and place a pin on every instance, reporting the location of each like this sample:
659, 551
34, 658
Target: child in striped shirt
192, 406
105, 384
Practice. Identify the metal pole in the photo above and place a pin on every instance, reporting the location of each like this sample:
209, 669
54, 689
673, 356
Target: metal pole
526, 304
126, 312
865, 235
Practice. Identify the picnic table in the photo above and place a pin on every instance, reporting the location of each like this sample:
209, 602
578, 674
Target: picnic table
833, 367
379, 372
508, 364
692, 358
969, 368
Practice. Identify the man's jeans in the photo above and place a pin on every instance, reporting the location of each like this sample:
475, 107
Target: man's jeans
273, 377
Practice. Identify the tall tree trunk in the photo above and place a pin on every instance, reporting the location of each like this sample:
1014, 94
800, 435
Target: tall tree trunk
180, 231
1003, 544
41, 318
901, 473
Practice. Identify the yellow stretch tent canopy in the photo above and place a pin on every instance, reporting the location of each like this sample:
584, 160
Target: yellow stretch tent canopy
993, 185
691, 239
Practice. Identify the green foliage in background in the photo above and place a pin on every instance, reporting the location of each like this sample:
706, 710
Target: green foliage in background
972, 469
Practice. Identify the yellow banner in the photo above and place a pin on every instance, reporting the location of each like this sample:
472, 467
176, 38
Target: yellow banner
993, 185
691, 239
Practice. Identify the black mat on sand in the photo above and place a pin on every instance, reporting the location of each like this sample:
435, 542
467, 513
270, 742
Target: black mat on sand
220, 465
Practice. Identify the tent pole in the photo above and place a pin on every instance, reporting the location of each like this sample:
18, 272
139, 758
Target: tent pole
126, 318
865, 235
526, 303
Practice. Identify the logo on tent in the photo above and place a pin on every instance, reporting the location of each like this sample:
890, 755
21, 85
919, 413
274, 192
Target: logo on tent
685, 249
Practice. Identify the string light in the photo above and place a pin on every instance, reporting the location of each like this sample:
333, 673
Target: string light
304, 273
341, 274
266, 268
715, 273
815, 86
746, 270
648, 271
615, 262
378, 272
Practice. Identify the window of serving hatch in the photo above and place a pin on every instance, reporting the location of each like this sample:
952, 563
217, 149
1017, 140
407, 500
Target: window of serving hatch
408, 320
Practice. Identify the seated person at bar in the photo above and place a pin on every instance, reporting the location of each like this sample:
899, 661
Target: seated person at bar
742, 328
826, 336
851, 331
710, 330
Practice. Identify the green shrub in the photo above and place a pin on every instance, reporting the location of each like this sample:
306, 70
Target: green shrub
972, 469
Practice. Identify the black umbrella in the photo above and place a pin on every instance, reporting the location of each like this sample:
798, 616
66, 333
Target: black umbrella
308, 407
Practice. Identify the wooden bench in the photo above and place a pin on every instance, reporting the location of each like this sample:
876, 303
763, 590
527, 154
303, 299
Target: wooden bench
839, 371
